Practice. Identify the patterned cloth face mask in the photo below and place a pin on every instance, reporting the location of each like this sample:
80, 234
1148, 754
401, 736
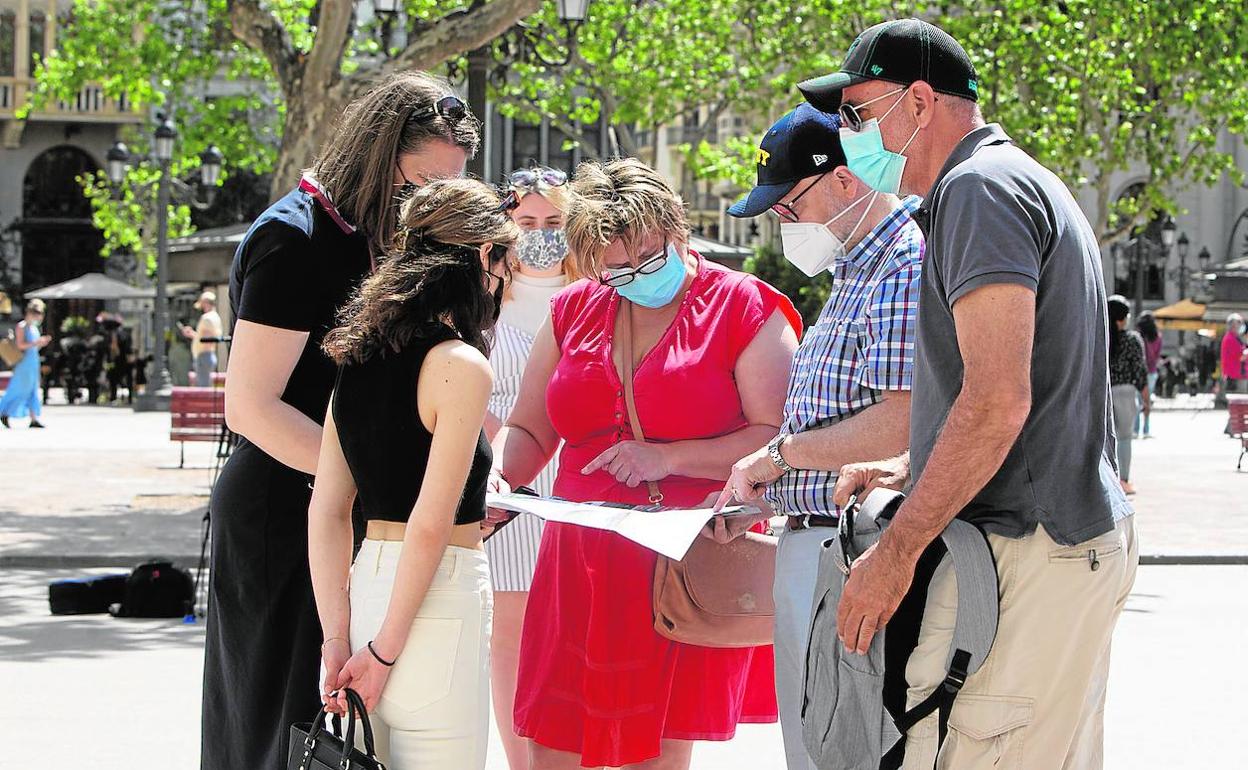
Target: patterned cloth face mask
542, 249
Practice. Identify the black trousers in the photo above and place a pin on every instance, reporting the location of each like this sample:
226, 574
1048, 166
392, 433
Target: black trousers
262, 653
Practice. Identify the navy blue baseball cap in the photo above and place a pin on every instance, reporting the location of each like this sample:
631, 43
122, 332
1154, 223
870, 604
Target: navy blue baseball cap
805, 142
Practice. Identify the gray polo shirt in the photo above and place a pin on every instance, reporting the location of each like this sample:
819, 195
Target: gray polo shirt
997, 216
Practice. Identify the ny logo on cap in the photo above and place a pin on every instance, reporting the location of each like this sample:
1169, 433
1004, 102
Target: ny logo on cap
761, 156
820, 159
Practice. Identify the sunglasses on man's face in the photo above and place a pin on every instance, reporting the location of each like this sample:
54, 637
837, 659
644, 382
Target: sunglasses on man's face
617, 277
851, 117
450, 108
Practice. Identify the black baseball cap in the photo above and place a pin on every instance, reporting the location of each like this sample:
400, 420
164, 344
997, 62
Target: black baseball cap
805, 142
900, 51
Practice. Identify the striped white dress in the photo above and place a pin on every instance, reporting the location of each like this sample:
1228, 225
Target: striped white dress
513, 551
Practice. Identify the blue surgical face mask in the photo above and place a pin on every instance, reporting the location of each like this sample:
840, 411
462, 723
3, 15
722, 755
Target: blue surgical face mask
865, 154
660, 287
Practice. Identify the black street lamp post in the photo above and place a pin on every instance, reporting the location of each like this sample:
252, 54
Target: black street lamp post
156, 396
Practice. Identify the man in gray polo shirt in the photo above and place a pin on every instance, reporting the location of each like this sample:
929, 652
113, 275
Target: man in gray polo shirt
1010, 412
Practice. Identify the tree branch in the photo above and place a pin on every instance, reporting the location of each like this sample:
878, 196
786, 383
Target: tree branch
458, 32
264, 32
333, 33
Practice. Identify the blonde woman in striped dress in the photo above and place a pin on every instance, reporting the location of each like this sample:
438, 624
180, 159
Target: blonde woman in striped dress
538, 271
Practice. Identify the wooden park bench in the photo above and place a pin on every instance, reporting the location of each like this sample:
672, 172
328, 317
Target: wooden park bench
1237, 405
198, 414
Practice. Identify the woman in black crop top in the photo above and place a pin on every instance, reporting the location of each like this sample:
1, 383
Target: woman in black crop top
294, 269
404, 433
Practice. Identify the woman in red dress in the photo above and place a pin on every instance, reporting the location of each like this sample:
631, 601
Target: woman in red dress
712, 349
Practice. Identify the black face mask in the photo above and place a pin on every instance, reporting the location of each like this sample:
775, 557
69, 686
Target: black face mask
498, 302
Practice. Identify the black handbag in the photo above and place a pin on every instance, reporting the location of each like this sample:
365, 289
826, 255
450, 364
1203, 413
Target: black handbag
312, 747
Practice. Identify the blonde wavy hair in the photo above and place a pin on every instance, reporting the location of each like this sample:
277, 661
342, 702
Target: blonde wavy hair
622, 199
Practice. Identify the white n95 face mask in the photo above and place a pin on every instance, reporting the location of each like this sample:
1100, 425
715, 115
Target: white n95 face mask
811, 247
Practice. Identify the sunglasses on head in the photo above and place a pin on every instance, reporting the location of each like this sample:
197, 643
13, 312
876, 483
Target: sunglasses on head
618, 277
530, 178
852, 119
450, 108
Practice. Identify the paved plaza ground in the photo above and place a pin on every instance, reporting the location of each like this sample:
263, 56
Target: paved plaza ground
94, 489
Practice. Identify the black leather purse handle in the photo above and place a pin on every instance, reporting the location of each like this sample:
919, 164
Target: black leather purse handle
355, 705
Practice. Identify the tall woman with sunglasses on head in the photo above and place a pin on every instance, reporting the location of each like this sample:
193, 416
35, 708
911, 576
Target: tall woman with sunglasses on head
404, 430
295, 267
537, 198
709, 351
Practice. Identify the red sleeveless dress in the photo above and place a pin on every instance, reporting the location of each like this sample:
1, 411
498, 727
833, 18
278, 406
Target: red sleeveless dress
595, 679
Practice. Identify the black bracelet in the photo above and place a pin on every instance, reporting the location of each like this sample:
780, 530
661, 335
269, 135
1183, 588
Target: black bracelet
381, 660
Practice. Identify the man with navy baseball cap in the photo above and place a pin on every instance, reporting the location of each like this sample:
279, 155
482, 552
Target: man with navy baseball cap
849, 390
1010, 417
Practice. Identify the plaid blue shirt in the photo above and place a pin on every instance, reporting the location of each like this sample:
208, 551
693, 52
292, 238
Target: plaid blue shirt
862, 344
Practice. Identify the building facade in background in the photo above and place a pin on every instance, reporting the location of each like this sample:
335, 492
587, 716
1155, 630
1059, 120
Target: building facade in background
46, 234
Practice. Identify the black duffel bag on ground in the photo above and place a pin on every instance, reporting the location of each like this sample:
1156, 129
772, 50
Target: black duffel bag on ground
84, 596
312, 747
156, 589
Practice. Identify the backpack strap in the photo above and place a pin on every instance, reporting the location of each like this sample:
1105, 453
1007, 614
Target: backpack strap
975, 627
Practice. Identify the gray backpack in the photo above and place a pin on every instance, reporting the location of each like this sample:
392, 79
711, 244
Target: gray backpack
854, 714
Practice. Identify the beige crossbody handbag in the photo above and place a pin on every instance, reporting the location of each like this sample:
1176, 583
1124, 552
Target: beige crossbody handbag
719, 595
10, 352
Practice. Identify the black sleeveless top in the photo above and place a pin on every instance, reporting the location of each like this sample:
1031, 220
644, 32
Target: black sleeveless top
385, 443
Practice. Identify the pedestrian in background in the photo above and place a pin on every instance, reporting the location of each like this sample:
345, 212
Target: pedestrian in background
1146, 325
21, 397
407, 626
537, 199
1010, 425
1234, 356
295, 268
849, 390
1128, 383
204, 338
711, 350
1234, 359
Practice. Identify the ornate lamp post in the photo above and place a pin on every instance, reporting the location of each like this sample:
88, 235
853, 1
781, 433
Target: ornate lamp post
523, 42
388, 12
156, 396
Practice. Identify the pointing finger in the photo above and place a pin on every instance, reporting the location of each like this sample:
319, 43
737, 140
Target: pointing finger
599, 461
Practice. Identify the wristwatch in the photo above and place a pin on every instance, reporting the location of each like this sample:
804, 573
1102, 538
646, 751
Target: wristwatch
773, 451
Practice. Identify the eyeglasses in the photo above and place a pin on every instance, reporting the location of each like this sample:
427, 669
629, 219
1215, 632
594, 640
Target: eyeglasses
450, 108
624, 276
530, 178
852, 119
785, 210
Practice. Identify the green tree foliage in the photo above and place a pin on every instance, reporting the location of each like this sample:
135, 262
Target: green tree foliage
643, 65
1092, 88
281, 72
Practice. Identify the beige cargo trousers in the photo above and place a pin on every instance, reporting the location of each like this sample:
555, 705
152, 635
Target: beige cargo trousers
1038, 702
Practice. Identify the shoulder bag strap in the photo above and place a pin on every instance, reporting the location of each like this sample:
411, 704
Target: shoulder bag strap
625, 338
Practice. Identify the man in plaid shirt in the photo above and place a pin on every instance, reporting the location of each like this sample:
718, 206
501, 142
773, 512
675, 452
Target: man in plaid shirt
849, 389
